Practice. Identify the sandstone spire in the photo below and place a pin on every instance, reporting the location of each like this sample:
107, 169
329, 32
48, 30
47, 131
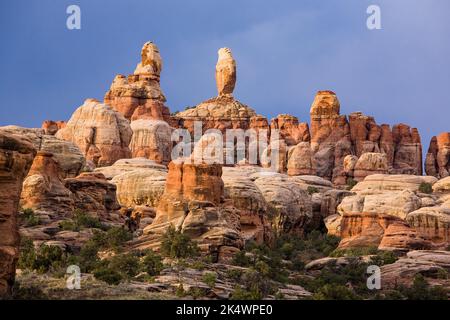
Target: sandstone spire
225, 72
151, 62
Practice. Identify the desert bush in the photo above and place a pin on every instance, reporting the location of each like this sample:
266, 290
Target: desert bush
210, 279
108, 275
175, 244
351, 183
27, 255
82, 220
29, 218
354, 252
152, 263
127, 264
421, 290
426, 188
48, 257
334, 292
311, 190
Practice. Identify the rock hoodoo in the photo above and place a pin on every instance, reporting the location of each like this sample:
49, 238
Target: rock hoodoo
139, 95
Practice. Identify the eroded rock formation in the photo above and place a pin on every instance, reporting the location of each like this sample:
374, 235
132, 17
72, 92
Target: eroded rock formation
437, 162
139, 95
152, 140
16, 157
193, 202
101, 133
43, 188
69, 157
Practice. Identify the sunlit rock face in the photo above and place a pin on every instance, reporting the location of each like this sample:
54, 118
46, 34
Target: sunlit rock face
16, 157
101, 133
437, 162
139, 95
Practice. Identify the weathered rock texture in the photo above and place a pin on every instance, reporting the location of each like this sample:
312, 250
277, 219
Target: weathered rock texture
290, 130
102, 134
225, 72
437, 162
384, 212
334, 138
16, 157
152, 140
139, 95
50, 127
192, 202
91, 192
69, 157
140, 186
430, 264
43, 188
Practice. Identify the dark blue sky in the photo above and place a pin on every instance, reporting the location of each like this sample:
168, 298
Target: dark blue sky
285, 51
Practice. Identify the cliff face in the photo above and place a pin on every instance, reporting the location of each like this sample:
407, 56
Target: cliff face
16, 157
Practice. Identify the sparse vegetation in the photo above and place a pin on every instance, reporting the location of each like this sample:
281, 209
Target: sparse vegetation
426, 188
82, 220
175, 244
152, 263
311, 190
29, 218
351, 183
210, 279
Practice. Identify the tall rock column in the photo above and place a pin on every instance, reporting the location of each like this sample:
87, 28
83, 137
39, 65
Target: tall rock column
139, 95
225, 72
16, 157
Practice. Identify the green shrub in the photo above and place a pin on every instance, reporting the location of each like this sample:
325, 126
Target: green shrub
240, 293
27, 255
108, 275
354, 252
311, 190
126, 264
29, 218
180, 291
69, 225
210, 279
426, 188
82, 220
421, 290
351, 183
31, 292
384, 257
353, 274
234, 274
334, 292
152, 263
48, 257
253, 287
175, 244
